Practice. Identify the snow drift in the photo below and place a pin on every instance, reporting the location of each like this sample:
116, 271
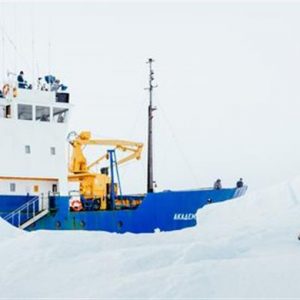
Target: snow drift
246, 247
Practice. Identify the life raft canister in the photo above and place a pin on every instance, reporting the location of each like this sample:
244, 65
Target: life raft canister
76, 205
5, 89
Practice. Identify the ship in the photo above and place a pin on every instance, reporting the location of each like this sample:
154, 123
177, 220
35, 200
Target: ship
37, 169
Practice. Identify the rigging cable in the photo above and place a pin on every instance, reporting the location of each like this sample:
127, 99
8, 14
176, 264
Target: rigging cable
33, 44
3, 42
140, 108
187, 163
15, 35
49, 46
14, 46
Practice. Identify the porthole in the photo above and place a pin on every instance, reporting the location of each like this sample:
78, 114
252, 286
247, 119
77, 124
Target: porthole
120, 224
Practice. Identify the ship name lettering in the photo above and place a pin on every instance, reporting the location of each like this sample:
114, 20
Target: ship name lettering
184, 217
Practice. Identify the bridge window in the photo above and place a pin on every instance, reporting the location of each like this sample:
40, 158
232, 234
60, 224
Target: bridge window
60, 115
62, 97
42, 113
8, 111
24, 112
5, 111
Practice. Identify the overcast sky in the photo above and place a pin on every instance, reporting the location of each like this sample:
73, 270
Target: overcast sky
228, 98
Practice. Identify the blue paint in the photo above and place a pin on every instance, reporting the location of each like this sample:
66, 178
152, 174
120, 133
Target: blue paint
9, 203
25, 212
165, 211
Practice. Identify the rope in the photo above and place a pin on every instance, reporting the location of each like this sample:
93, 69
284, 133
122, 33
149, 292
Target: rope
14, 46
49, 46
177, 144
3, 41
136, 119
15, 35
33, 44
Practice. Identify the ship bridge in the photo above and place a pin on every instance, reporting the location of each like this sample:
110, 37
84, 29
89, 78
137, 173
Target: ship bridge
35, 105
33, 126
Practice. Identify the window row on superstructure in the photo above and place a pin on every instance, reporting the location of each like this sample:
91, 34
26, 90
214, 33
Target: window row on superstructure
28, 150
30, 187
38, 113
42, 113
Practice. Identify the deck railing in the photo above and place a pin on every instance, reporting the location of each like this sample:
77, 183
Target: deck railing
27, 211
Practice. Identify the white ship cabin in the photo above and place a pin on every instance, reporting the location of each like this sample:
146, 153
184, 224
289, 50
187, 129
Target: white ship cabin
33, 154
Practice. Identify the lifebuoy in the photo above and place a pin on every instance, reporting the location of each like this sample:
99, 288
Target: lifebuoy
76, 205
5, 89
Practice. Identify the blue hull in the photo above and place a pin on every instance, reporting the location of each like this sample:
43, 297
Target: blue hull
164, 211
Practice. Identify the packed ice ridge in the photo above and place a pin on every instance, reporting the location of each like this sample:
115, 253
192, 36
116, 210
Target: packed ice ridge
246, 247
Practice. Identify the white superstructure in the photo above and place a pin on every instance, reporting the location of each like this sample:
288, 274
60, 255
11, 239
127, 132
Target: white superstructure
33, 154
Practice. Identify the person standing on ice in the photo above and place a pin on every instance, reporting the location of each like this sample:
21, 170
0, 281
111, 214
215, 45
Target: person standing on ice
218, 184
240, 183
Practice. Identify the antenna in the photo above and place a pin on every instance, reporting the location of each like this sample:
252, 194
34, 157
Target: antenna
3, 42
33, 46
49, 48
150, 181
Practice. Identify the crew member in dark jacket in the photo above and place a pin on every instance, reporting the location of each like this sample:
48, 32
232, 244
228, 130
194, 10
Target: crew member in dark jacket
218, 184
240, 183
22, 84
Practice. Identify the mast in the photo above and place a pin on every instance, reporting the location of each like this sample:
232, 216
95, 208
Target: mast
150, 181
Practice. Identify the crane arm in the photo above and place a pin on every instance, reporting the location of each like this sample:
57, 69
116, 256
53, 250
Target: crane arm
79, 162
97, 161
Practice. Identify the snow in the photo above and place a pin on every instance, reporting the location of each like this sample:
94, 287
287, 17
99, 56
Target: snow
244, 248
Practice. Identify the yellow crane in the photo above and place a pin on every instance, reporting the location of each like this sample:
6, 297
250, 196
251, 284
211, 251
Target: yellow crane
96, 186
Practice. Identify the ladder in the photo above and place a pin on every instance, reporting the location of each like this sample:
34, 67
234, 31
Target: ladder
113, 164
29, 212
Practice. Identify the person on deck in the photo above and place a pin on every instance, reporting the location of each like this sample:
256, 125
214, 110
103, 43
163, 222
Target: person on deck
22, 84
240, 183
218, 184
55, 86
39, 83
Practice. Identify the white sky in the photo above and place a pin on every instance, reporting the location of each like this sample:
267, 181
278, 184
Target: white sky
228, 97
